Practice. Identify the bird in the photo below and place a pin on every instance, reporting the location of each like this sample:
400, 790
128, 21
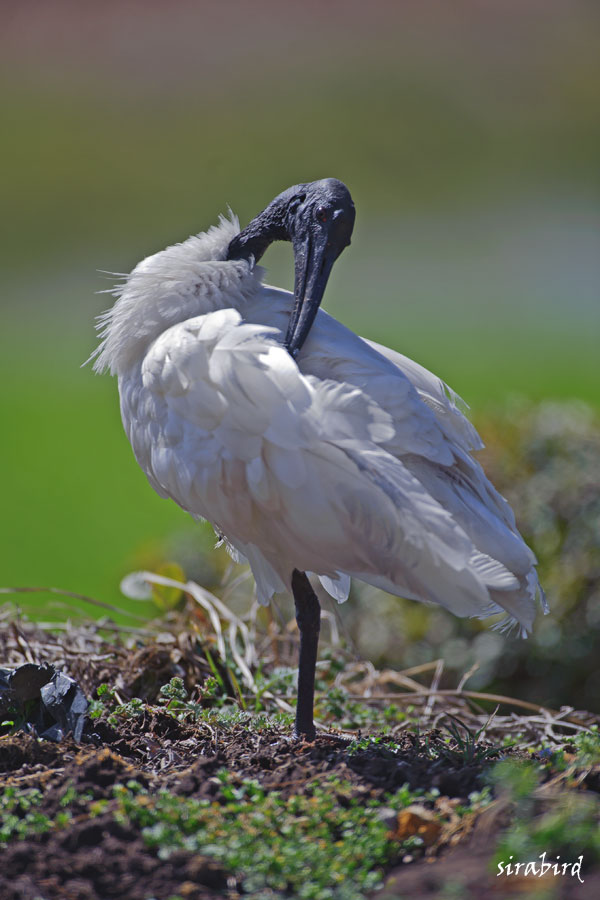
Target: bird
310, 450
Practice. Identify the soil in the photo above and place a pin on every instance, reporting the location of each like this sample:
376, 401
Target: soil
101, 858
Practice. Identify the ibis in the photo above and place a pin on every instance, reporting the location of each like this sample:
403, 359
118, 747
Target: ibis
311, 450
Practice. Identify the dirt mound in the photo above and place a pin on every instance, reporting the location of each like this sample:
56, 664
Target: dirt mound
117, 814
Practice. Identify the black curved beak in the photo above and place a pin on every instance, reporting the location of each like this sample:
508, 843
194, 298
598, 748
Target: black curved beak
314, 257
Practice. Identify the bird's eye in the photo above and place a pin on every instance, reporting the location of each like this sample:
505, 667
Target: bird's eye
321, 213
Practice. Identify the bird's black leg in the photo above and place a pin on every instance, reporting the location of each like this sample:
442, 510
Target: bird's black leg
308, 617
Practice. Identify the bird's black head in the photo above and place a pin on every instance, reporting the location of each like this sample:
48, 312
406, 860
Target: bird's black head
318, 219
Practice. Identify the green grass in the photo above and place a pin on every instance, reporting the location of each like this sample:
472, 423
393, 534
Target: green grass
77, 511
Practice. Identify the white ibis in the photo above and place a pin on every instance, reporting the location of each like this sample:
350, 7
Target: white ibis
308, 448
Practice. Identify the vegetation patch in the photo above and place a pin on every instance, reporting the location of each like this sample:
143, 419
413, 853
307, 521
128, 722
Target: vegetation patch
185, 783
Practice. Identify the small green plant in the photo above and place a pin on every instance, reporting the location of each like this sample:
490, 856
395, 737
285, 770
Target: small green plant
587, 747
516, 780
552, 759
380, 743
106, 704
341, 709
477, 800
20, 816
468, 751
174, 699
133, 708
281, 682
326, 842
105, 701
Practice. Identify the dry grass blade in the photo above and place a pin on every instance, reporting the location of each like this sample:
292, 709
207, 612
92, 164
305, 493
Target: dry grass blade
433, 689
216, 610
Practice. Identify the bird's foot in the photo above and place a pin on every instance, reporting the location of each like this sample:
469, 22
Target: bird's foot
304, 737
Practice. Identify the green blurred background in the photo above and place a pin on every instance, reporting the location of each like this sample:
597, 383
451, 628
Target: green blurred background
468, 134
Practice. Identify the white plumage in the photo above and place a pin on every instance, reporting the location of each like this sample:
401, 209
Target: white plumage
350, 461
